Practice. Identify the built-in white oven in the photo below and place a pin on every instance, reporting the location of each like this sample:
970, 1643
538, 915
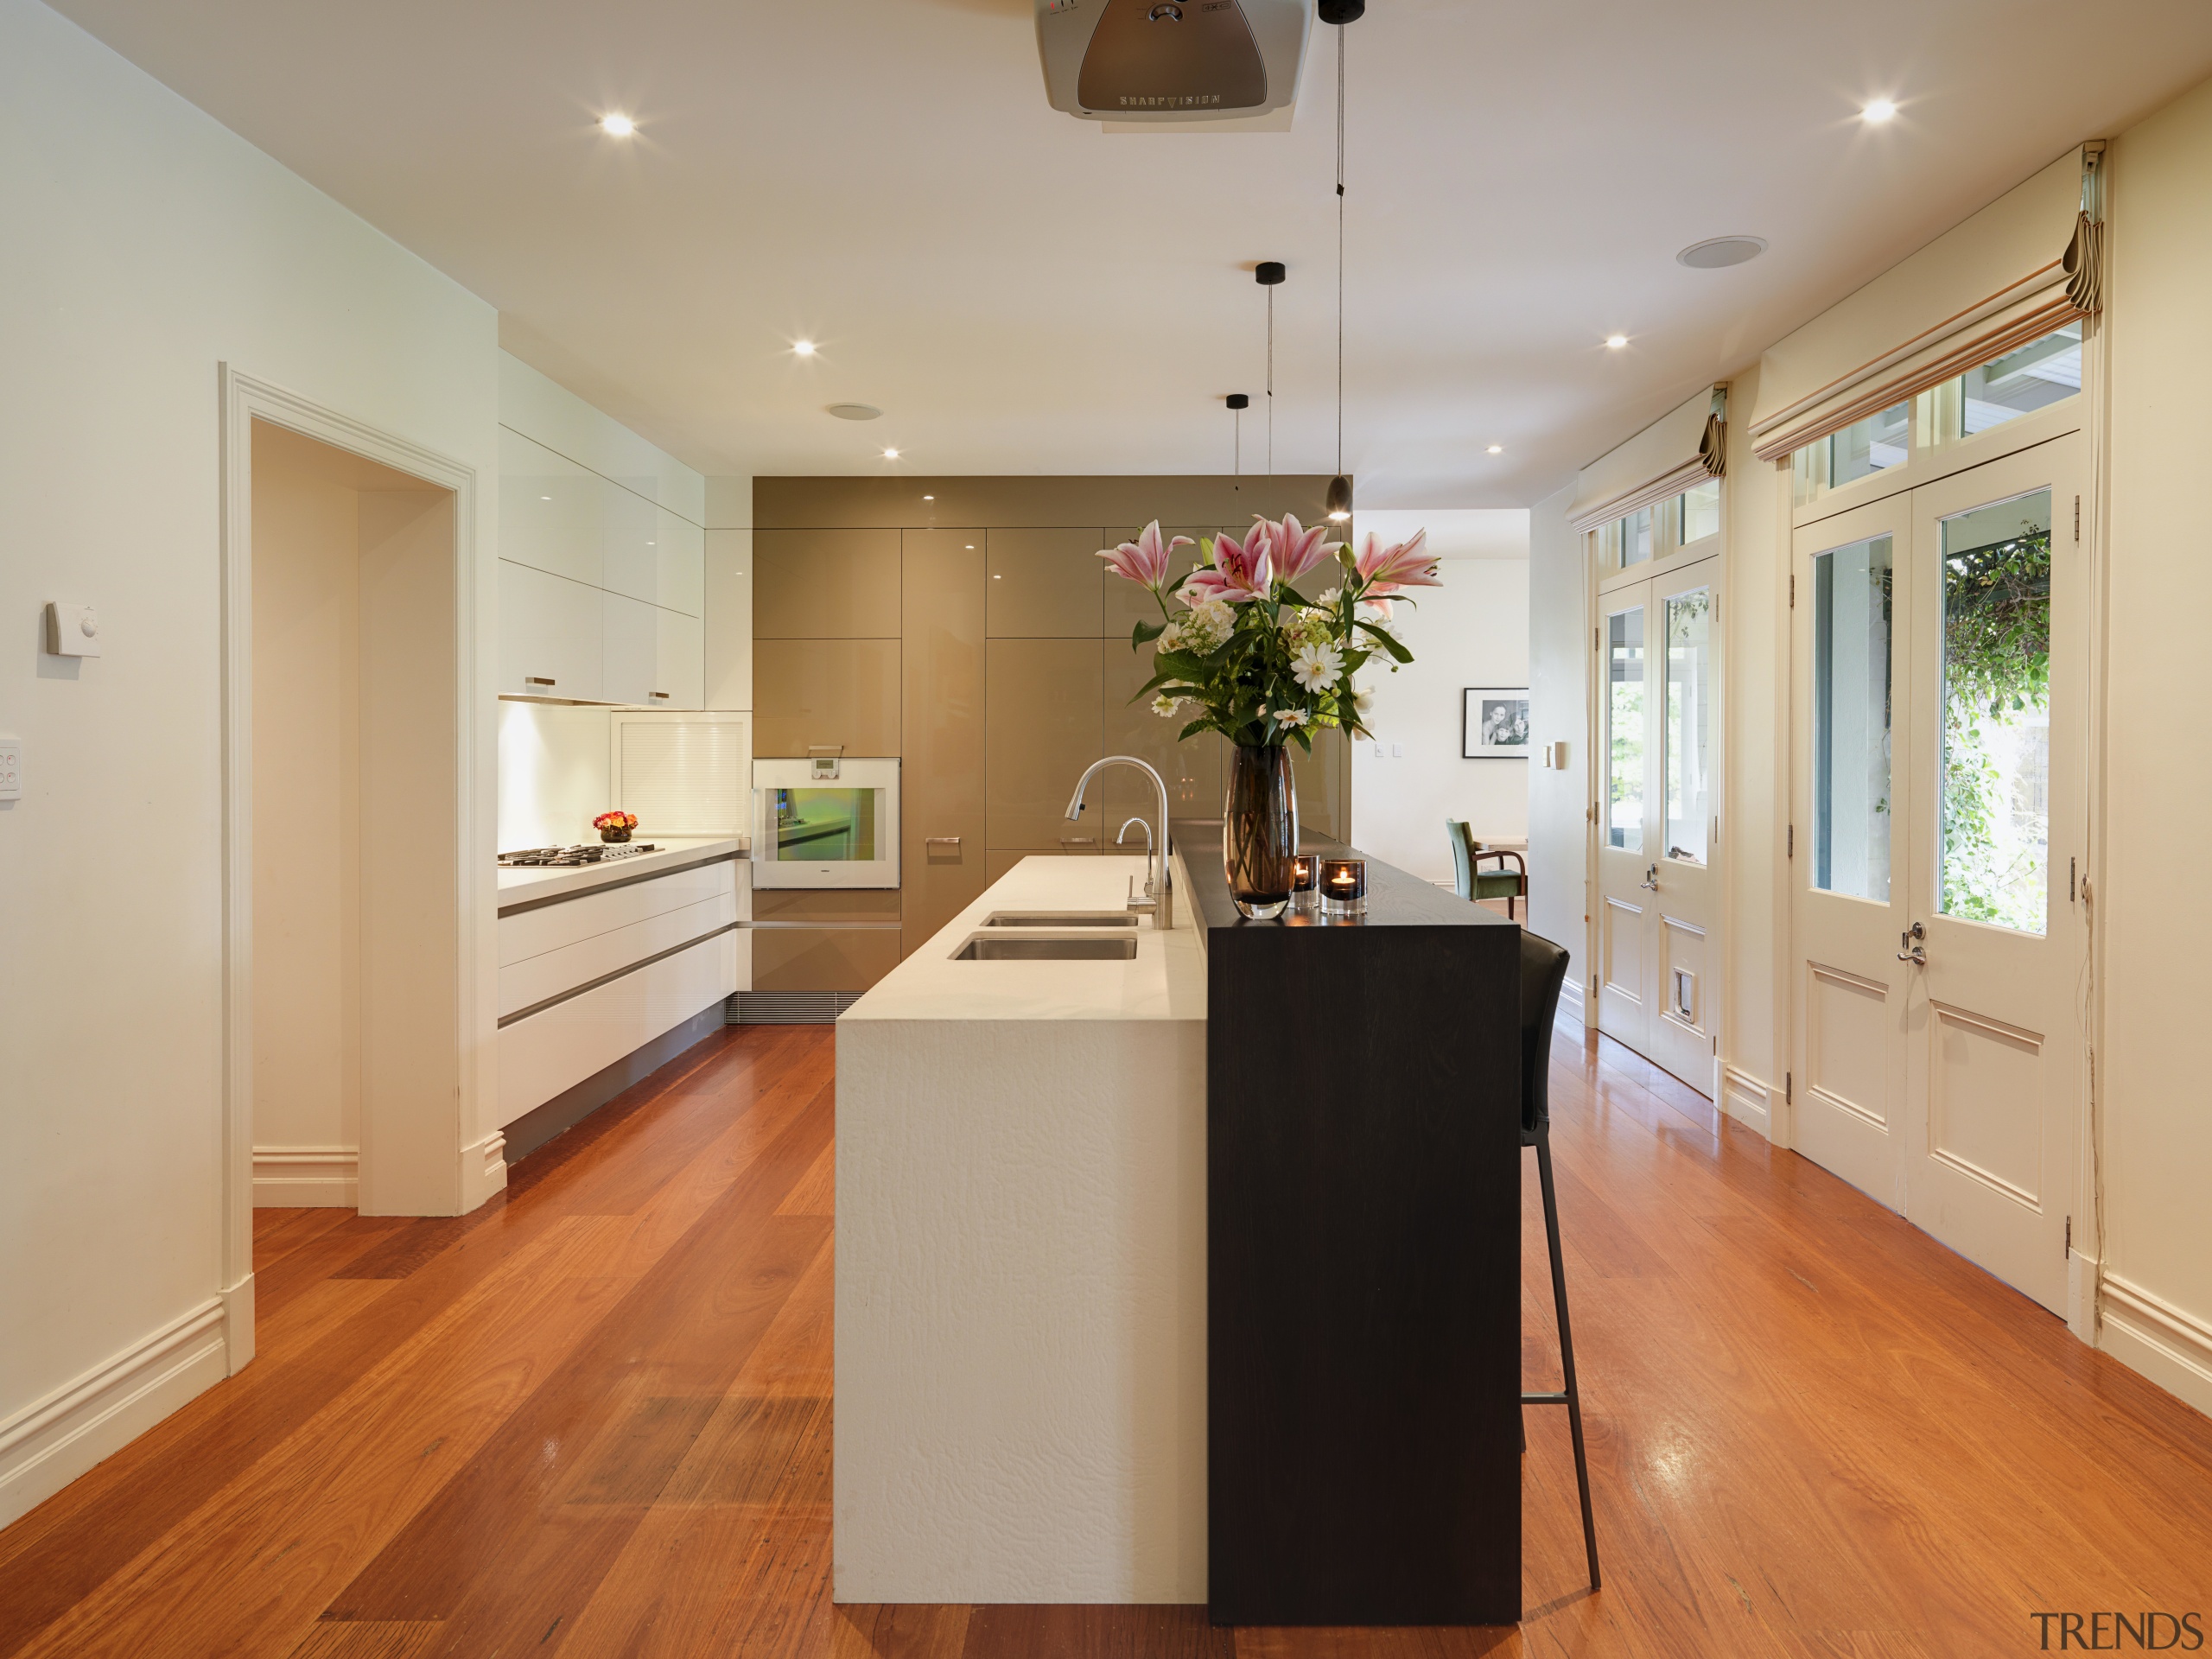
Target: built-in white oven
825, 823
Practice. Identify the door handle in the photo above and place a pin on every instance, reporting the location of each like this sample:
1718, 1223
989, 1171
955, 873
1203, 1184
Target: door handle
1651, 879
1909, 949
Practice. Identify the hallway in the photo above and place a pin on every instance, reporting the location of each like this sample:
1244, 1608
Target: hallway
593, 1418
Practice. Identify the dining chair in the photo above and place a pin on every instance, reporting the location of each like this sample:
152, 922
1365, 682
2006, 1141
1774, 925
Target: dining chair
1471, 881
1543, 971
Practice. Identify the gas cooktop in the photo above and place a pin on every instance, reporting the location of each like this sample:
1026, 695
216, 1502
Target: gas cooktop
582, 853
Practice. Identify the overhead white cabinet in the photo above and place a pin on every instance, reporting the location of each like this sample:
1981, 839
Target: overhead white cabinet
603, 587
682, 583
631, 639
550, 635
679, 680
549, 510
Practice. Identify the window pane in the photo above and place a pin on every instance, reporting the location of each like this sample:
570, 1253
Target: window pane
2040, 372
1996, 778
1870, 445
1684, 757
1851, 720
1700, 510
1635, 537
1624, 730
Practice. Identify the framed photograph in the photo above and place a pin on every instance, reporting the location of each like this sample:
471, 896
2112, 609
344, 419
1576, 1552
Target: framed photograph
1494, 723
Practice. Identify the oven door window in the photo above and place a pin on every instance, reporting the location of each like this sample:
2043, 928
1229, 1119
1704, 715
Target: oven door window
828, 826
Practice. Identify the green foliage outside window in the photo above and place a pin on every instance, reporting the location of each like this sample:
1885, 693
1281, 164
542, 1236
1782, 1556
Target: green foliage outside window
1996, 696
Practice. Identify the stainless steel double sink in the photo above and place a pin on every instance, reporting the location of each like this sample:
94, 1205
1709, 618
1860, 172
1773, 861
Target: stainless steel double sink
1052, 936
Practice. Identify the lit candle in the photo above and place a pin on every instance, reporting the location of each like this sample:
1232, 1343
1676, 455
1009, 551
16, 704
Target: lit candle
1306, 882
1343, 887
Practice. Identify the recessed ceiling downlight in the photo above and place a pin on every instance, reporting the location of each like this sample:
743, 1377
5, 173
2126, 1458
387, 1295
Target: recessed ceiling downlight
617, 126
1716, 251
855, 411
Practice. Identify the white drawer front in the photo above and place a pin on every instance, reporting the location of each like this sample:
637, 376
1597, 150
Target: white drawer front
534, 979
550, 927
559, 1048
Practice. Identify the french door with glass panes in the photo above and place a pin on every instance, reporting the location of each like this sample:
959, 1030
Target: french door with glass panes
1657, 958
1939, 791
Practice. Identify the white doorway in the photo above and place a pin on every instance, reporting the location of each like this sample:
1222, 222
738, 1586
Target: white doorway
351, 925
1657, 959
1939, 789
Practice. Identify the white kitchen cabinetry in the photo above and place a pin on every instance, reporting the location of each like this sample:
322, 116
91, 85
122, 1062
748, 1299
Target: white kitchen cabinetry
680, 679
550, 635
588, 980
549, 510
681, 585
631, 637
602, 588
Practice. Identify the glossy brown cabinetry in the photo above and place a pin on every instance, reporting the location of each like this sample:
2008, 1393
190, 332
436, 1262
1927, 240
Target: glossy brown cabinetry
942, 852
967, 626
1042, 718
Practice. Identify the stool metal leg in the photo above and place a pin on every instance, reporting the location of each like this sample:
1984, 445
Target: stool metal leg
1566, 1345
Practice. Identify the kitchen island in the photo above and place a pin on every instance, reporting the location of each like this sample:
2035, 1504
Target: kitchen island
1020, 1263
1133, 1305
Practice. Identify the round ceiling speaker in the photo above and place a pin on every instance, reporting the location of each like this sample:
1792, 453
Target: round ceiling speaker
855, 411
1720, 251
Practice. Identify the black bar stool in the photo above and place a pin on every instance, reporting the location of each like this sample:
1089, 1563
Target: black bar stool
1543, 971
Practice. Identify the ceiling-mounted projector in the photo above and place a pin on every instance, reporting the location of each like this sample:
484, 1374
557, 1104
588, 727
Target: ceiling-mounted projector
1172, 61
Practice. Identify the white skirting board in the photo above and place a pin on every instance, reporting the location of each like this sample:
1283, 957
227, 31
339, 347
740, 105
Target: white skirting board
307, 1176
2149, 1334
52, 1440
1747, 1100
1570, 999
560, 1046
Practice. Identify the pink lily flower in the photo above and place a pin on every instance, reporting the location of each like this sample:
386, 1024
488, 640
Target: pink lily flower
1240, 570
1298, 550
1401, 564
1146, 560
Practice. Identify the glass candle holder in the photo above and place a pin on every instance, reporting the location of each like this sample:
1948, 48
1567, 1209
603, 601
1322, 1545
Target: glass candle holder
1343, 887
1305, 883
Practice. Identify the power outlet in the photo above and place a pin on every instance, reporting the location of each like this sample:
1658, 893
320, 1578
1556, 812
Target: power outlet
11, 768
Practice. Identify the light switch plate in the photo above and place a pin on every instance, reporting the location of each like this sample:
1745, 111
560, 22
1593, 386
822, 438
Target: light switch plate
71, 630
11, 768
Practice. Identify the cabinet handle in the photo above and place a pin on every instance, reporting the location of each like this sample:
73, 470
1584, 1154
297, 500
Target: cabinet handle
660, 694
536, 679
953, 842
1079, 841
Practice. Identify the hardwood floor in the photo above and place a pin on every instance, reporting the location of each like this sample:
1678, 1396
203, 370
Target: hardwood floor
594, 1419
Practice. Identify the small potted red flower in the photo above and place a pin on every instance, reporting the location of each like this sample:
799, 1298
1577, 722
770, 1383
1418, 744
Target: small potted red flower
614, 826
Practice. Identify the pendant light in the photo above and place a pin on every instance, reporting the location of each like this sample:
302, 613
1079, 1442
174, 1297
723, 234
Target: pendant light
1238, 403
1340, 13
1269, 274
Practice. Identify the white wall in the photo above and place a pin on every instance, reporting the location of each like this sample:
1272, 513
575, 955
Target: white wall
1473, 631
145, 245
1558, 669
2153, 904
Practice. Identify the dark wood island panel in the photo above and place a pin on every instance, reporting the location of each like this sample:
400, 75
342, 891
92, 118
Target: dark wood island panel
1363, 1171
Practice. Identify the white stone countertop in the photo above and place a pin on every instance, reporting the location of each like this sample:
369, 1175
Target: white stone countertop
1166, 979
530, 882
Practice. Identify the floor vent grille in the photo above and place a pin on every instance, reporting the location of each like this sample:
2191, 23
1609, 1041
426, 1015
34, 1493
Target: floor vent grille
788, 1007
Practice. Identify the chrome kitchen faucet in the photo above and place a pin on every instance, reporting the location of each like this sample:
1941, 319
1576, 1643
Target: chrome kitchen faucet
1158, 890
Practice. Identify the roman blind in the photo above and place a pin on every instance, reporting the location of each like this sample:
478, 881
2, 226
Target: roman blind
1685, 446
2026, 265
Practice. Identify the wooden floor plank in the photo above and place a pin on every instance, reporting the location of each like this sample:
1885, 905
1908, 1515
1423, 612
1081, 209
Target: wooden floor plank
594, 1419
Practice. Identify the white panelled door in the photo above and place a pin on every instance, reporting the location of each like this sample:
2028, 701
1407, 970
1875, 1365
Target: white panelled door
1939, 790
1656, 959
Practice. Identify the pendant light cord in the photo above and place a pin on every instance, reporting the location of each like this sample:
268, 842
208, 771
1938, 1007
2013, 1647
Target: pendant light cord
1271, 381
1342, 31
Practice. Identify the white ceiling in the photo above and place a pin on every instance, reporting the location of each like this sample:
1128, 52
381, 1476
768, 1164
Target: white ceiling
1022, 293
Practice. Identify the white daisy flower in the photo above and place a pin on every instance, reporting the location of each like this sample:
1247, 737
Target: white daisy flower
1166, 707
1291, 717
1316, 666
